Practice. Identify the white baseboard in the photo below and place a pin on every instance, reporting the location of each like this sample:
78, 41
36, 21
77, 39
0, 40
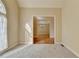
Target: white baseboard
71, 49
22, 43
57, 42
12, 46
7, 49
25, 43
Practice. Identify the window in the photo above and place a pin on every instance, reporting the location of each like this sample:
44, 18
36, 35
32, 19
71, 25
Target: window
3, 27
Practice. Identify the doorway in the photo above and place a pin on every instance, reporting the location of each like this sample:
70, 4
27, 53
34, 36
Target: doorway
43, 30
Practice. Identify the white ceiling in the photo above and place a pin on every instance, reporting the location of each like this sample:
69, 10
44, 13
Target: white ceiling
40, 3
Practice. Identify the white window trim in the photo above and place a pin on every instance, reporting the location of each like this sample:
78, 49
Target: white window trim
5, 40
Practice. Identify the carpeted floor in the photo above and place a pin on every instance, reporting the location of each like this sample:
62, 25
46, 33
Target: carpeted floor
40, 51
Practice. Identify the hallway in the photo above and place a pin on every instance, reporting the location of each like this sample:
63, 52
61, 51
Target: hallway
43, 29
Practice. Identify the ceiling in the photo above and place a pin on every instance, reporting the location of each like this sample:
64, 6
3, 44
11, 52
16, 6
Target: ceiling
40, 3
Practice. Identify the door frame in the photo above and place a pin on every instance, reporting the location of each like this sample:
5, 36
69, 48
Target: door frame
55, 25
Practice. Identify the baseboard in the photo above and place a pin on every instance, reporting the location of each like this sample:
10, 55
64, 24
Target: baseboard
22, 43
57, 42
9, 48
25, 43
15, 44
66, 46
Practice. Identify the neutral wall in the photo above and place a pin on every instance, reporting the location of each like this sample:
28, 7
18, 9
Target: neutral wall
52, 27
12, 15
26, 17
70, 25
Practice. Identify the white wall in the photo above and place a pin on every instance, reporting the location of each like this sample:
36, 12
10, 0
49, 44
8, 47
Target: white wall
70, 25
12, 15
52, 24
26, 17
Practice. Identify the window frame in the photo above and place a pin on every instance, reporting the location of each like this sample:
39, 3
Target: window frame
4, 14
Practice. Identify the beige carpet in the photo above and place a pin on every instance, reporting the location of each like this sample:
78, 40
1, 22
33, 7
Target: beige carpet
40, 51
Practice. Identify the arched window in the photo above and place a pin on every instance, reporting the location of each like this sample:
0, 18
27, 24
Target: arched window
3, 27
